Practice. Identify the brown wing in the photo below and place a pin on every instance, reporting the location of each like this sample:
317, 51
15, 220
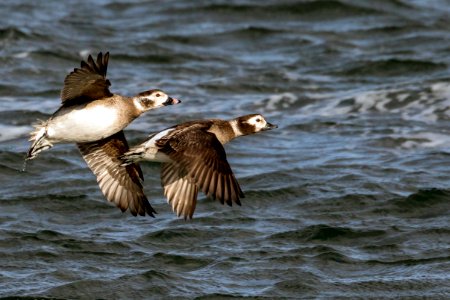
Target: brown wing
199, 158
180, 190
88, 82
121, 185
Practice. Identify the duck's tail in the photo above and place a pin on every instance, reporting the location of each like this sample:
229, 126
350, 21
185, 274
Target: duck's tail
39, 139
134, 155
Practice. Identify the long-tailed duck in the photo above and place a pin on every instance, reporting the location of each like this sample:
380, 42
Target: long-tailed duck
193, 158
93, 118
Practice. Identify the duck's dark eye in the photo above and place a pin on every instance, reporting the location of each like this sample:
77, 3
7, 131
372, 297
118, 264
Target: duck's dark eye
158, 95
258, 120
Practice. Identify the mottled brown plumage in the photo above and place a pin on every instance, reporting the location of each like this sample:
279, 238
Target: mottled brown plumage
194, 159
199, 161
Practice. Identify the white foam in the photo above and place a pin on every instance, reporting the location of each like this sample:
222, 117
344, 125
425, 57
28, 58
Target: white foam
430, 103
441, 89
22, 54
292, 76
426, 140
285, 100
402, 97
373, 100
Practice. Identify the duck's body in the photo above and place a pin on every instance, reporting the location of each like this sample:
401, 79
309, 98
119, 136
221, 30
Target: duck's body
194, 159
89, 111
88, 122
93, 118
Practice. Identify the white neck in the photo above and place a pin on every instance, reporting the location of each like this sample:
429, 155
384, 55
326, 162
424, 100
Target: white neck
235, 127
137, 104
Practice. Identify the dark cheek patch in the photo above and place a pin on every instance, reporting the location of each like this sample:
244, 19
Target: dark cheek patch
148, 103
246, 128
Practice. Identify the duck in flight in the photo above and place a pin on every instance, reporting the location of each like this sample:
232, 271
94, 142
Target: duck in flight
94, 118
193, 158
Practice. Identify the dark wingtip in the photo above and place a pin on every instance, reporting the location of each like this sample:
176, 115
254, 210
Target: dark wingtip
151, 211
91, 60
148, 211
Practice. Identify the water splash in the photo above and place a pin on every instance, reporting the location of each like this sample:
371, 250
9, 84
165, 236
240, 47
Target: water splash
24, 165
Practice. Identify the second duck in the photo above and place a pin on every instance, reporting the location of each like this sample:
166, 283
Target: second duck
193, 158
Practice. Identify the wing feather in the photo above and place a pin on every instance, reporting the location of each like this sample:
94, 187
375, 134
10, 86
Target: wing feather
121, 185
179, 189
88, 82
198, 159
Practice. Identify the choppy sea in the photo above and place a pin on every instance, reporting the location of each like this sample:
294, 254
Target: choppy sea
348, 198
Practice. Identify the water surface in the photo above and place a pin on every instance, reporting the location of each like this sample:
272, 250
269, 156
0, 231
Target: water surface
349, 197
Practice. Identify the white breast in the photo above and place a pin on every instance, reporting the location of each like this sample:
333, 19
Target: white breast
85, 124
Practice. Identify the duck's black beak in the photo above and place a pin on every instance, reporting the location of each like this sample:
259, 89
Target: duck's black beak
270, 126
171, 101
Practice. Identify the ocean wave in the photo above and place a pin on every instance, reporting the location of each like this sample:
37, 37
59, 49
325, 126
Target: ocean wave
162, 56
426, 103
191, 262
322, 232
8, 132
392, 67
177, 233
12, 34
423, 198
410, 261
237, 32
329, 7
412, 139
425, 204
281, 101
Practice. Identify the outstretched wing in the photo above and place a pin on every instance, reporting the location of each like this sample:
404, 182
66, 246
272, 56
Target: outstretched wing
88, 82
121, 185
198, 159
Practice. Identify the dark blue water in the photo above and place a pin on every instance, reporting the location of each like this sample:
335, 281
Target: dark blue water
348, 198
